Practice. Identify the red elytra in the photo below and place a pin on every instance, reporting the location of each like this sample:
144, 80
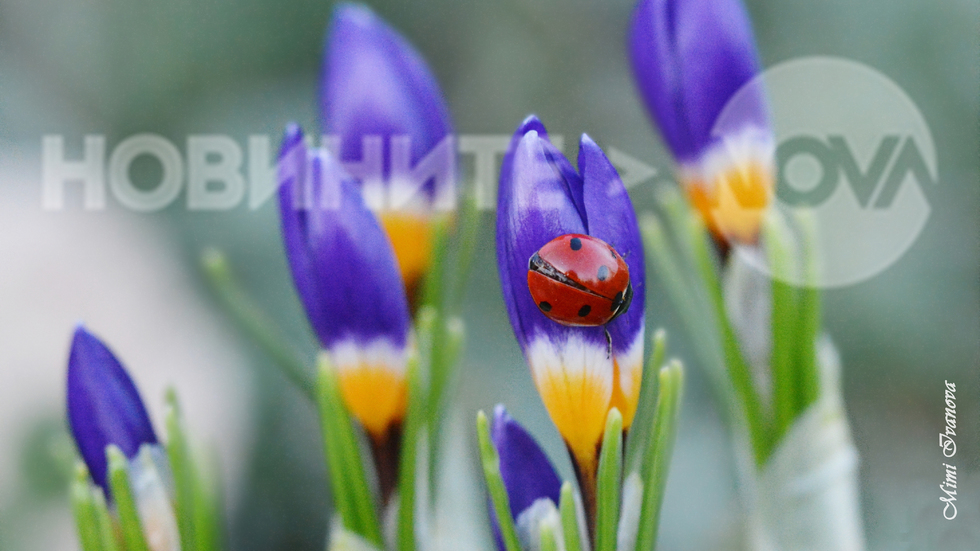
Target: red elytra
579, 280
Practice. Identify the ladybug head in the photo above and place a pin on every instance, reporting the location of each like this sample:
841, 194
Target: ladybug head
622, 304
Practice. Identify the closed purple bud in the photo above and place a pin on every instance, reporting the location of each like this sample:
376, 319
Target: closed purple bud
387, 122
691, 58
347, 278
528, 474
104, 406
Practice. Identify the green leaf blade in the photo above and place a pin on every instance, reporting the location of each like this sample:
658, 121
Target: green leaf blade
129, 519
658, 453
609, 483
495, 484
352, 493
84, 510
569, 518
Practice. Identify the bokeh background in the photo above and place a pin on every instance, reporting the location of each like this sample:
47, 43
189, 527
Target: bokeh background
120, 67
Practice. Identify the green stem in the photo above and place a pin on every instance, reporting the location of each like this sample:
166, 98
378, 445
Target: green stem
609, 482
495, 484
784, 326
645, 409
809, 312
107, 531
129, 519
569, 518
415, 420
739, 372
352, 494
182, 469
682, 295
658, 454
208, 505
83, 507
254, 323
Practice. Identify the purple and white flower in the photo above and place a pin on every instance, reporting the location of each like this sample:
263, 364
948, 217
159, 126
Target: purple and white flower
386, 120
579, 373
695, 65
347, 279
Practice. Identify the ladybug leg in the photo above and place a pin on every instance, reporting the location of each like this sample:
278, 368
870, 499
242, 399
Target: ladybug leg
608, 343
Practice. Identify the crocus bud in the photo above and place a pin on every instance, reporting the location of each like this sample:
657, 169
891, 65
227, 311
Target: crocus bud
533, 486
580, 372
691, 58
111, 428
347, 278
386, 120
104, 406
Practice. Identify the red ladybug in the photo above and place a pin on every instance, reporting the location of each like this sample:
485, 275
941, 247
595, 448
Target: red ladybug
579, 280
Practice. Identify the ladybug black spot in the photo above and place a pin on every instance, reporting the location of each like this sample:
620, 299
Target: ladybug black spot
544, 306
576, 243
603, 272
584, 311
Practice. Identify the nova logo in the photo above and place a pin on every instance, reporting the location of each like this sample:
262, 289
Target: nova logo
854, 155
874, 185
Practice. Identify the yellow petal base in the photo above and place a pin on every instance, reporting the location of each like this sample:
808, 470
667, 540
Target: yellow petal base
626, 398
375, 396
578, 406
411, 238
733, 203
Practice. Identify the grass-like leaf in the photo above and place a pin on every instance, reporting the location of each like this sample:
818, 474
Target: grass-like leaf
414, 425
352, 493
182, 468
784, 324
739, 371
646, 407
122, 493
569, 518
609, 483
107, 532
808, 382
255, 323
657, 455
495, 484
549, 540
208, 507
83, 508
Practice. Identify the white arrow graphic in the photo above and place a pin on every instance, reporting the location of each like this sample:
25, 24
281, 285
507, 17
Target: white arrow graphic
631, 170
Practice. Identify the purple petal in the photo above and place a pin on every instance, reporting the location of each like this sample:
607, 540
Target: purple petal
689, 58
611, 218
528, 474
534, 206
104, 406
341, 260
376, 84
292, 165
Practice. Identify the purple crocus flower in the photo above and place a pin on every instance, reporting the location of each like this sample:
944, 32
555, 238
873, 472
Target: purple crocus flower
694, 63
347, 279
541, 197
104, 406
528, 475
389, 125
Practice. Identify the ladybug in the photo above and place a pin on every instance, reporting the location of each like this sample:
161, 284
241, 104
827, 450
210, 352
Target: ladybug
579, 280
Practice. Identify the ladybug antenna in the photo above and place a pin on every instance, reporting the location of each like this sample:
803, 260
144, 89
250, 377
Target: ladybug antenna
608, 343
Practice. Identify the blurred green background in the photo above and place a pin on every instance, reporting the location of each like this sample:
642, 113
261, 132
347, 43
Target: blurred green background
183, 67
